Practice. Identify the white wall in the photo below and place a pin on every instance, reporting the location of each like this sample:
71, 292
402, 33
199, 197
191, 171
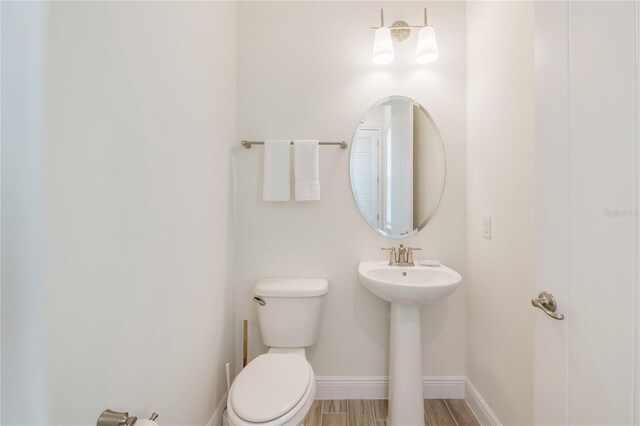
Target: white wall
305, 71
500, 159
139, 120
23, 381
426, 178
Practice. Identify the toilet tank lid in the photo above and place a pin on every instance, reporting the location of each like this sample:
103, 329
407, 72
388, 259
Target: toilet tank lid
291, 287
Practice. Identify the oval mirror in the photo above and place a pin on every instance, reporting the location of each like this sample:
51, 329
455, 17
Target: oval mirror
397, 167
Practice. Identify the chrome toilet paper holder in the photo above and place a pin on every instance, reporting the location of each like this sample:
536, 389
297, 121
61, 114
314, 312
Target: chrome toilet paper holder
115, 418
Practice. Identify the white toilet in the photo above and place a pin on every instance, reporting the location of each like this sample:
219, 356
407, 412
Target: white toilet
278, 388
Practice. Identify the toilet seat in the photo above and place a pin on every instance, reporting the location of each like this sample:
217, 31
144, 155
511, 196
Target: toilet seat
274, 389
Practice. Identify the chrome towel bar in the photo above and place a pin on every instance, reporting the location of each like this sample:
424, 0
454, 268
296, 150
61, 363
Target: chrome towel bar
341, 144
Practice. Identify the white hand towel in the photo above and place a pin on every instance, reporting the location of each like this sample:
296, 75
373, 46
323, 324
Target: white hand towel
277, 170
306, 171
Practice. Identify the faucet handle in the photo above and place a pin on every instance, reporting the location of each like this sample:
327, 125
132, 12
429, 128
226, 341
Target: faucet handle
392, 255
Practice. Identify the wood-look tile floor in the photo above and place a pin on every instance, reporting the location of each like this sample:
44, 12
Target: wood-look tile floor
374, 412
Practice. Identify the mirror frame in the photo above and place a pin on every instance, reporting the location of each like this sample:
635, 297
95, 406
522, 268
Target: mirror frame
444, 166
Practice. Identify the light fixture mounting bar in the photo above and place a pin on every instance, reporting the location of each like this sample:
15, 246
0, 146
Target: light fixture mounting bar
404, 27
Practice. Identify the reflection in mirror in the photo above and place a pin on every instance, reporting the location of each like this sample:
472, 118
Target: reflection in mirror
397, 167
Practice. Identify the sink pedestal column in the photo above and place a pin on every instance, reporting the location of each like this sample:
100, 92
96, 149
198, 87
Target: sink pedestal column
406, 406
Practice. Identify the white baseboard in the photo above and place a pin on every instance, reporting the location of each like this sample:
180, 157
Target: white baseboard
216, 417
443, 387
348, 387
479, 406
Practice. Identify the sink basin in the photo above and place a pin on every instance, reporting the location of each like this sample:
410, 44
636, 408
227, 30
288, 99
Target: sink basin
407, 288
411, 285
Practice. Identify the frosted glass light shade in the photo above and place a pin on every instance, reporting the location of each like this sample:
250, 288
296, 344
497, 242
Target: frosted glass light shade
383, 47
427, 50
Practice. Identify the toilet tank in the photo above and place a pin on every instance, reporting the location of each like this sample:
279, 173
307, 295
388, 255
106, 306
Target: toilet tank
292, 311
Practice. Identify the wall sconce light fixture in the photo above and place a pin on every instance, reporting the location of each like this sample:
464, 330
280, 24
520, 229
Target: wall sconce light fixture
426, 51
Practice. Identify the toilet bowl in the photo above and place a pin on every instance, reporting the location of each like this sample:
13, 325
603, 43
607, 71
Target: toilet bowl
277, 388
274, 389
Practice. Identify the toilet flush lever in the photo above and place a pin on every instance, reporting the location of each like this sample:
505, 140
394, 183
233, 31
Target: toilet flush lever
259, 300
547, 304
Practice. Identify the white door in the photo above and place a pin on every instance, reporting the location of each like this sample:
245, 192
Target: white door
397, 168
364, 171
586, 173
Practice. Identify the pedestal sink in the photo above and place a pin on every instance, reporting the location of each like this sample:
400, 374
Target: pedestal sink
407, 288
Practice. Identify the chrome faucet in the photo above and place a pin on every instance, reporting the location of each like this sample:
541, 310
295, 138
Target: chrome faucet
403, 257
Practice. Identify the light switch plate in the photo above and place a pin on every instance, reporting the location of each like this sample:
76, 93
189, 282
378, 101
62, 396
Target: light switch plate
486, 226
